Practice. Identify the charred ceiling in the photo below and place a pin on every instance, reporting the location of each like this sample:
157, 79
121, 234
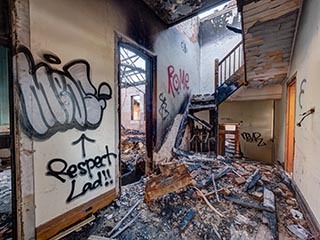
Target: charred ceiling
174, 11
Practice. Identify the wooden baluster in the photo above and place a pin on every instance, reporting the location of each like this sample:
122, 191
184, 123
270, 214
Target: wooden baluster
225, 71
234, 61
229, 66
239, 56
216, 74
220, 71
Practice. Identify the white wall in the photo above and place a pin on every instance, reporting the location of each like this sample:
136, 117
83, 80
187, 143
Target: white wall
256, 126
177, 72
73, 30
78, 29
217, 41
305, 63
126, 121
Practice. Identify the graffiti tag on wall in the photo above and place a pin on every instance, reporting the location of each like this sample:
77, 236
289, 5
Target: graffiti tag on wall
163, 110
254, 137
301, 92
96, 168
177, 81
55, 101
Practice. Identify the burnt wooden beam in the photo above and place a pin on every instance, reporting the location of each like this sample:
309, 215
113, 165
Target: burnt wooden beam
174, 176
248, 204
187, 219
252, 180
200, 121
269, 202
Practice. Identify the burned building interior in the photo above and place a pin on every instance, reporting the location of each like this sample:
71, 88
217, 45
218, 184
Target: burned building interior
159, 119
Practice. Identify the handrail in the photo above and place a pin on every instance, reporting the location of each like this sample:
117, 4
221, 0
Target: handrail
230, 64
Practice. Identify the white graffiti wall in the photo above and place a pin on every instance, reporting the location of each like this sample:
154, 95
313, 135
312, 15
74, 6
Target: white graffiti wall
68, 105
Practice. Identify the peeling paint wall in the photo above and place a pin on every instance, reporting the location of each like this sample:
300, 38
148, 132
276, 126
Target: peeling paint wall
256, 126
305, 63
216, 42
177, 73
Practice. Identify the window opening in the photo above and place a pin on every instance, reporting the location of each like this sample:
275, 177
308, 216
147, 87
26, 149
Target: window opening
135, 108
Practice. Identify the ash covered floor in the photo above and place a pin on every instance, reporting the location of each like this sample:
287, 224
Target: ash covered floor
242, 212
6, 204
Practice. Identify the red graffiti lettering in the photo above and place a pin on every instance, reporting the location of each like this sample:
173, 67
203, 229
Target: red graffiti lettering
176, 82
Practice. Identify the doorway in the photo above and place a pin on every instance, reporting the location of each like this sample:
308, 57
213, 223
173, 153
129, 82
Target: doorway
136, 87
290, 125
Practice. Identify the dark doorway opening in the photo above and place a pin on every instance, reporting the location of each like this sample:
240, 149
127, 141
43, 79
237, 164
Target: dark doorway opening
7, 182
135, 82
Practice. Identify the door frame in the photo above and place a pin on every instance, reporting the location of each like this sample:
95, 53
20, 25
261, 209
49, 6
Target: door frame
150, 99
290, 123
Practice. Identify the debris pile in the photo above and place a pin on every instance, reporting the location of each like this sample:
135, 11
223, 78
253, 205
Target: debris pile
226, 199
133, 153
5, 206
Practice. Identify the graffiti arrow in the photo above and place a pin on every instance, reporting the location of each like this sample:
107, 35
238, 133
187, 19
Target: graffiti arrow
82, 139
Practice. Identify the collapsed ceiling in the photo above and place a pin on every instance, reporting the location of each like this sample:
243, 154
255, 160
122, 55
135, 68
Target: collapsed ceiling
174, 11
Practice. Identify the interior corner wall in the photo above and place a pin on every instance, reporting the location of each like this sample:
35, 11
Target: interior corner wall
280, 127
216, 42
256, 126
305, 63
178, 75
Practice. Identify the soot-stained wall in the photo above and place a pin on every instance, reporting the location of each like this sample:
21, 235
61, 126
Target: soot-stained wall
178, 72
69, 97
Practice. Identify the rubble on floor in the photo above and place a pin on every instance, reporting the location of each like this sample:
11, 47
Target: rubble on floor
228, 199
133, 154
6, 205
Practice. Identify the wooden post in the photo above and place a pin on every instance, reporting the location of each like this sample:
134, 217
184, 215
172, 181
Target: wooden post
216, 74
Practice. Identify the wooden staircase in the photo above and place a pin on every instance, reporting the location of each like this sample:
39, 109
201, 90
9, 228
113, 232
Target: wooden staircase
229, 77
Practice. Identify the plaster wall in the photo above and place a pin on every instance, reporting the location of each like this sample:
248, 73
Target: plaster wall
216, 42
256, 126
178, 72
126, 121
305, 64
77, 30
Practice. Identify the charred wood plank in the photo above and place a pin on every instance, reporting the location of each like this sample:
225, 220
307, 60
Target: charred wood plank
269, 202
116, 227
222, 172
200, 121
174, 176
248, 204
272, 223
217, 175
187, 218
269, 199
215, 186
252, 180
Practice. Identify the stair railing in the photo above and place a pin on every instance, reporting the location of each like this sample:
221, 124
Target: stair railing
228, 65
